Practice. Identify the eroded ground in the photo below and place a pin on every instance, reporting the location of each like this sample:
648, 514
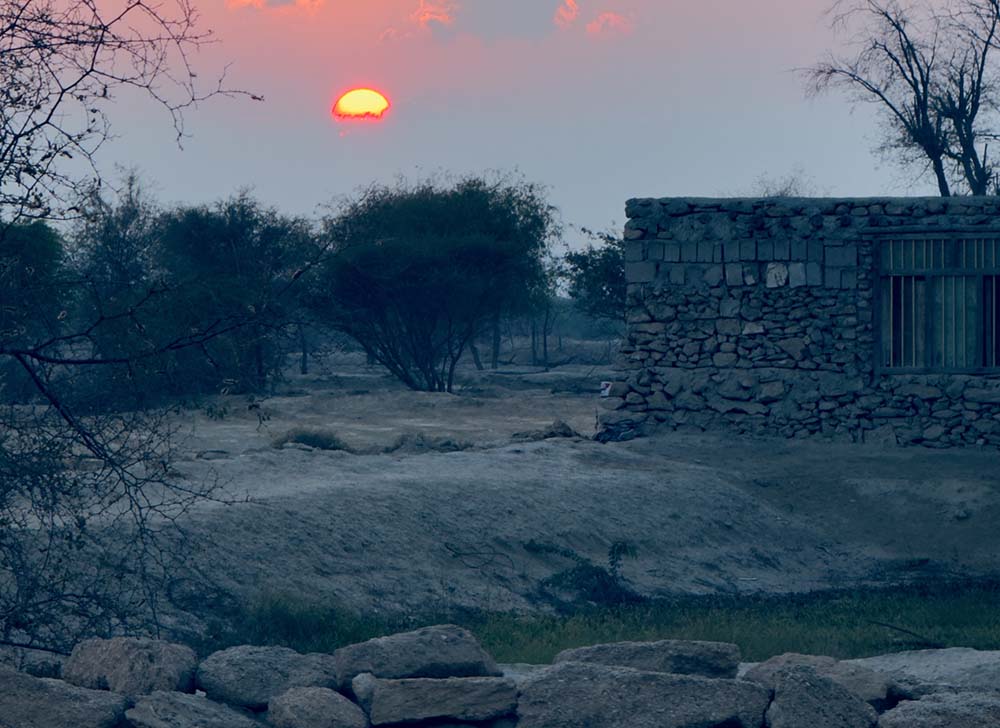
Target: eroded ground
418, 530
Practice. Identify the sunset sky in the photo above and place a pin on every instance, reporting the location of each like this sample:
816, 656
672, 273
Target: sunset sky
601, 100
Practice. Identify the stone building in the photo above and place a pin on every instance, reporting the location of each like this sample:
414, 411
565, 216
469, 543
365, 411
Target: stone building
857, 319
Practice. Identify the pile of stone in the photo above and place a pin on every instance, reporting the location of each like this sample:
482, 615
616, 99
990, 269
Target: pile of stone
440, 677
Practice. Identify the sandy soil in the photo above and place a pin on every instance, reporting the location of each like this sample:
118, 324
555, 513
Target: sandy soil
418, 530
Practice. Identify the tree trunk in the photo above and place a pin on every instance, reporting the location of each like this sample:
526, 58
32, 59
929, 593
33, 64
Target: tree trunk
534, 342
258, 356
495, 353
304, 346
942, 179
475, 356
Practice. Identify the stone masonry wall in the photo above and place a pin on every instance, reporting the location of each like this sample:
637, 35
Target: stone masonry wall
758, 316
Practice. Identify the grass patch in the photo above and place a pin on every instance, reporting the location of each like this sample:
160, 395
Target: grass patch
313, 437
841, 624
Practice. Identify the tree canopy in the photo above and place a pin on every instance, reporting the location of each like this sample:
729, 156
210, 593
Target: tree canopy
416, 272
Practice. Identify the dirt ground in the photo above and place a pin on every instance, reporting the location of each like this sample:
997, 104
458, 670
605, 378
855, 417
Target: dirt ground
418, 529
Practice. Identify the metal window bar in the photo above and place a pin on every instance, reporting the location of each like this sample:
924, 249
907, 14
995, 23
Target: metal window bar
941, 302
991, 321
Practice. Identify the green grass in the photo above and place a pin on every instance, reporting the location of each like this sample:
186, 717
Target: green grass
840, 624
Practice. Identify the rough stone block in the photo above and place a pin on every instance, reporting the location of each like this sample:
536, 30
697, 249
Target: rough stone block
845, 256
800, 249
731, 251
734, 274
634, 251
713, 275
640, 272
831, 277
816, 251
672, 252
782, 249
689, 252
776, 275
705, 251
728, 327
748, 250
677, 657
814, 274
796, 275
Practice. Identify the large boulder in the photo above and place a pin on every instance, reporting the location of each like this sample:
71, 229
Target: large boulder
441, 651
31, 702
419, 699
945, 710
577, 694
178, 710
131, 666
920, 672
314, 708
250, 676
875, 688
804, 698
680, 657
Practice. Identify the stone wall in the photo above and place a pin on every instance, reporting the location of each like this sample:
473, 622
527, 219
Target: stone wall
440, 677
759, 316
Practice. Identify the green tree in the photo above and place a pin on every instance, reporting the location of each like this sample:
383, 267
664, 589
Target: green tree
226, 269
416, 272
596, 277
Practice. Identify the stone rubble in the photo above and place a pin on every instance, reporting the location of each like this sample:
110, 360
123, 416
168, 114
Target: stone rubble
664, 684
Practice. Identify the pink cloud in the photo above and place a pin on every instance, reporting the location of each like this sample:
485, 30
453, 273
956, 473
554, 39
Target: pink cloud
434, 11
607, 23
566, 13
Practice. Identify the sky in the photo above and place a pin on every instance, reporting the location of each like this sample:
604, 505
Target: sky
597, 100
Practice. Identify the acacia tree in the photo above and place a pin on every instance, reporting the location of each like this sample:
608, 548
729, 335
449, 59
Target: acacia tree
418, 271
596, 277
931, 71
75, 485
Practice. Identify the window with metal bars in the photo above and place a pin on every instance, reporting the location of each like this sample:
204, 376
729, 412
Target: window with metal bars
940, 303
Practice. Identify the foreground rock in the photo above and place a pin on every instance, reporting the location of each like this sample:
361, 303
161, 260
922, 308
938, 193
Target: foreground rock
575, 694
131, 666
250, 676
945, 710
875, 688
31, 702
803, 698
177, 710
920, 672
459, 698
314, 708
39, 663
681, 657
441, 651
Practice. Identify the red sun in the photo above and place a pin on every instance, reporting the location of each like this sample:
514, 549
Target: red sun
361, 103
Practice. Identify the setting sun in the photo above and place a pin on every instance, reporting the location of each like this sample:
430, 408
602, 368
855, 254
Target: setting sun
361, 103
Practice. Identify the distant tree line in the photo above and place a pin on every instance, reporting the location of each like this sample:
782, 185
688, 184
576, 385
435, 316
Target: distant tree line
193, 300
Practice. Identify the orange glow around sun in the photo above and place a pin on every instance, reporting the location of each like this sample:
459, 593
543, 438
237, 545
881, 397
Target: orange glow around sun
361, 103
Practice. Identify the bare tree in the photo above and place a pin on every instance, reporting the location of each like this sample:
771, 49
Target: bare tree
87, 493
931, 72
61, 65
